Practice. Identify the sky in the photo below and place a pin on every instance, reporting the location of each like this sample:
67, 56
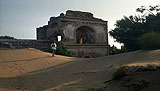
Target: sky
20, 18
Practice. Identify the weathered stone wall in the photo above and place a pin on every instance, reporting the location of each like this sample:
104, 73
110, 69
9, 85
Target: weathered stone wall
100, 28
91, 51
41, 33
19, 44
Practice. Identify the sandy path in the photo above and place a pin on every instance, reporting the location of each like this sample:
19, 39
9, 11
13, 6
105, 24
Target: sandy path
41, 72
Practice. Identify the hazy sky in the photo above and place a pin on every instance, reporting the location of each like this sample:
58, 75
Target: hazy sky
20, 18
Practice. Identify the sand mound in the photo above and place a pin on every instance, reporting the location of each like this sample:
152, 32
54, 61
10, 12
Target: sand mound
19, 61
33, 70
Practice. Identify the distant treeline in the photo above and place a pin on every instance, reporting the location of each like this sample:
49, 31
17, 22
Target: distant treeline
6, 37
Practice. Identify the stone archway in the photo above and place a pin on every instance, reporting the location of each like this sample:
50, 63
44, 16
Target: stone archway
85, 35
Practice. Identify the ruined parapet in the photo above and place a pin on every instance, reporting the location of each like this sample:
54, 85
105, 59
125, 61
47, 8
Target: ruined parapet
79, 14
41, 33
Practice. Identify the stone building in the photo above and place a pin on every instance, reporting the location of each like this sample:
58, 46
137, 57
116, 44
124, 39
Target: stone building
83, 34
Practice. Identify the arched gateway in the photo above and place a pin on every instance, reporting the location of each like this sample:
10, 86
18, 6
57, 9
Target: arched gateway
84, 35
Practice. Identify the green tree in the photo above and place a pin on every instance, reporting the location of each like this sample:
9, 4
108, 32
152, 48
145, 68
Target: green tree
128, 29
152, 23
150, 40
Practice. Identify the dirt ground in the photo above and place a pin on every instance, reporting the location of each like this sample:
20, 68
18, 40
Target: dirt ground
33, 70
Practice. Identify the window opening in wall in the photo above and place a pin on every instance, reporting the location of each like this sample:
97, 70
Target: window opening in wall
59, 38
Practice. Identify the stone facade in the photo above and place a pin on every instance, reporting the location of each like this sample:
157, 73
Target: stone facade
85, 35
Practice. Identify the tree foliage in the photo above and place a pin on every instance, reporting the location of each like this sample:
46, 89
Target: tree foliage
149, 10
114, 50
63, 50
128, 29
150, 40
6, 37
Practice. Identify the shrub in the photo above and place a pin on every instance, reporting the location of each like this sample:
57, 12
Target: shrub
121, 72
49, 49
114, 50
63, 50
150, 40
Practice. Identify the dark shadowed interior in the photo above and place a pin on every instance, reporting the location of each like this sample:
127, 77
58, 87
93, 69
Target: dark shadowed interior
85, 35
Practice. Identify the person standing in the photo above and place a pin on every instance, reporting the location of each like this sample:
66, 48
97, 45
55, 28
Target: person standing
53, 45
